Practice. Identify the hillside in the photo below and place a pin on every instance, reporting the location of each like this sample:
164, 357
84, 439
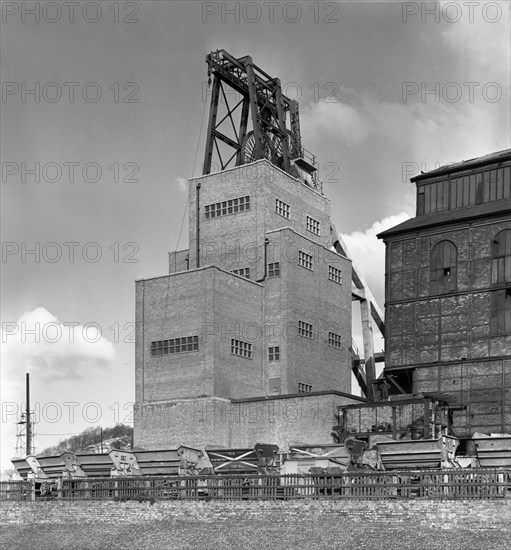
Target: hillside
92, 439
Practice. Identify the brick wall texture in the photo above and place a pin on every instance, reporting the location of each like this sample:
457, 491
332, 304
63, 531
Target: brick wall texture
203, 298
321, 524
446, 338
214, 421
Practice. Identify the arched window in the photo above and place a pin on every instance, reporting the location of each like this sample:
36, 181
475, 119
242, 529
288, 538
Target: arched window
500, 306
501, 258
443, 270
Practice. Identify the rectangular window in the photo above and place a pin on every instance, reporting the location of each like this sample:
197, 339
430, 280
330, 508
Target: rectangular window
420, 201
312, 225
459, 192
274, 385
500, 322
175, 345
304, 329
282, 208
243, 272
274, 270
274, 353
334, 340
304, 388
335, 274
305, 260
243, 349
224, 208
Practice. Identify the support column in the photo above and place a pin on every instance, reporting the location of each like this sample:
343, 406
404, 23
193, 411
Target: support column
367, 335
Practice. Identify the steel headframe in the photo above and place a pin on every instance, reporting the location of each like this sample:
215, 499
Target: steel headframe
263, 105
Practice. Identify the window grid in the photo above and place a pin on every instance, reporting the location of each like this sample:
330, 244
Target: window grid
500, 321
243, 349
500, 305
468, 190
232, 206
282, 208
274, 270
174, 345
274, 353
501, 258
335, 274
304, 388
243, 272
334, 340
305, 260
312, 225
304, 329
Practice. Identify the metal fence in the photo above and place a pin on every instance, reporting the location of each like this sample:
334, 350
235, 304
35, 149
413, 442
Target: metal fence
438, 484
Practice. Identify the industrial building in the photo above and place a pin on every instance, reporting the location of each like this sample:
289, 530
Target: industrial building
448, 294
248, 337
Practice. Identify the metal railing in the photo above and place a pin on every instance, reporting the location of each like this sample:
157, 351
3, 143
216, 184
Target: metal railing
433, 484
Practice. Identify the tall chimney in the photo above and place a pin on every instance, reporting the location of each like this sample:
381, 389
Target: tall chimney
28, 417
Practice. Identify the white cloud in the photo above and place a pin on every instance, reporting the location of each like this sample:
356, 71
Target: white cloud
182, 184
74, 375
368, 253
38, 342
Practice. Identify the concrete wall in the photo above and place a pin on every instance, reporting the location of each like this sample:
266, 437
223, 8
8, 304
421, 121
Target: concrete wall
212, 421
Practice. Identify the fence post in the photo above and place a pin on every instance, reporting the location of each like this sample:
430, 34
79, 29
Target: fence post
32, 490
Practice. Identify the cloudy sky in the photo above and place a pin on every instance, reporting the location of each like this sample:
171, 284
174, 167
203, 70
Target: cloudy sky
101, 119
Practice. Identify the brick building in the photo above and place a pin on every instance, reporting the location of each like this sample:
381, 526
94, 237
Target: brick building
448, 293
257, 308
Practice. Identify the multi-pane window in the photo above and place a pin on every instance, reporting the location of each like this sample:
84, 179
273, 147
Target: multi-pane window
304, 388
243, 272
443, 268
282, 208
274, 270
501, 258
243, 349
335, 274
305, 260
224, 208
274, 353
174, 345
312, 225
457, 192
500, 322
304, 329
334, 340
500, 304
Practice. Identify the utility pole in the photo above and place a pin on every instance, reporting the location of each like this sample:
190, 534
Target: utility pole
28, 417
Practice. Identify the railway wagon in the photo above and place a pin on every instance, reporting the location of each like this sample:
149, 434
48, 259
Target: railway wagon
493, 451
28, 467
64, 465
111, 464
419, 453
168, 462
301, 458
262, 458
